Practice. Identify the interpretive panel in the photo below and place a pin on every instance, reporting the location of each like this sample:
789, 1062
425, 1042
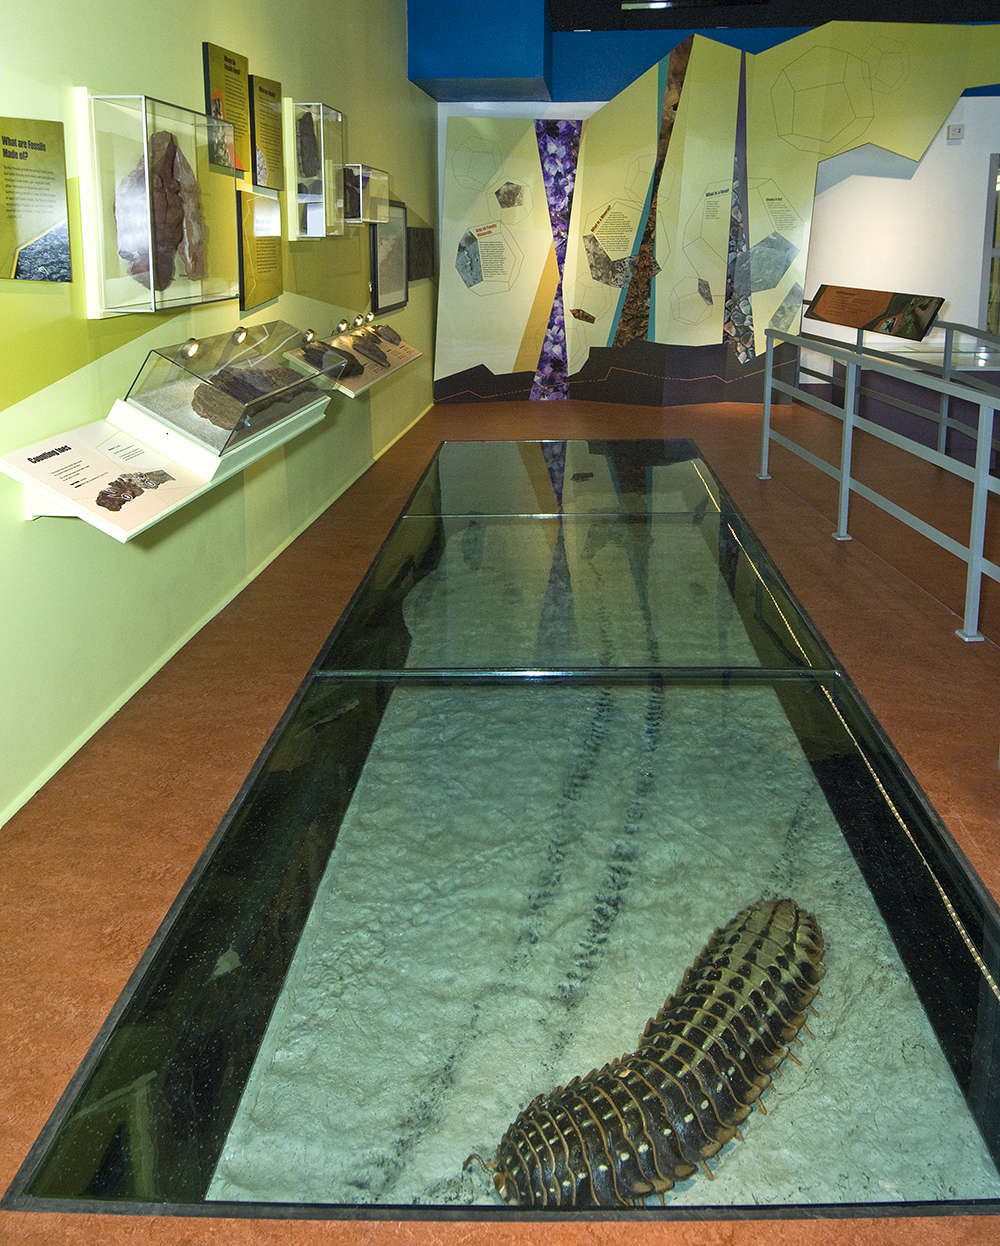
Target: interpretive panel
261, 268
610, 206
227, 97
694, 200
34, 231
265, 129
121, 485
876, 311
691, 208
498, 263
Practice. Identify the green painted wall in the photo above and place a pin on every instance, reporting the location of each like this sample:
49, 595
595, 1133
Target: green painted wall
84, 621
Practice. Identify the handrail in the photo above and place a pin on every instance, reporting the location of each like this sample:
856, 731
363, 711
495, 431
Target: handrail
946, 371
983, 484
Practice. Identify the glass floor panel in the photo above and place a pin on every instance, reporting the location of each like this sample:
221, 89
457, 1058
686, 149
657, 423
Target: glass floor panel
632, 557
568, 592
471, 865
566, 478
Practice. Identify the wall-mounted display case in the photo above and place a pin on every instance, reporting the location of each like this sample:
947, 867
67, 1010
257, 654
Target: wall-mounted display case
158, 200
366, 195
314, 158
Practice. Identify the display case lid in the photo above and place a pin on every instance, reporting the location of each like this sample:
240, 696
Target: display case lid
224, 389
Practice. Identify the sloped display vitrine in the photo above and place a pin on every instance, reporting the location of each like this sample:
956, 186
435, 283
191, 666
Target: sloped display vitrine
223, 391
196, 414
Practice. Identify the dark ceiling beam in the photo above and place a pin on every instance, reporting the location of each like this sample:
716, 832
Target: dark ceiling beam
568, 15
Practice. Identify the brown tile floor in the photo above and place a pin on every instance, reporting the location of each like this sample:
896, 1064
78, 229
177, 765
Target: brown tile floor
92, 863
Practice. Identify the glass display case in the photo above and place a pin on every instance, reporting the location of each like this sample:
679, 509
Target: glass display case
314, 157
366, 195
196, 414
572, 720
370, 352
158, 195
222, 391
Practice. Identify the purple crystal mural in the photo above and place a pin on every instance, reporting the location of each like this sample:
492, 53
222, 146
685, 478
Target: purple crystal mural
554, 453
558, 150
737, 329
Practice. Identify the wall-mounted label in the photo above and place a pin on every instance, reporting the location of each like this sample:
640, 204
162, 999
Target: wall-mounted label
227, 96
265, 133
34, 234
261, 277
877, 311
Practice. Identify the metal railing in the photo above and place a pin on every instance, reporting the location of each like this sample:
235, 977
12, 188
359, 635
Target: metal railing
935, 378
986, 352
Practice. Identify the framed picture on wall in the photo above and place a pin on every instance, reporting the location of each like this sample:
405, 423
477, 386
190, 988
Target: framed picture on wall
388, 256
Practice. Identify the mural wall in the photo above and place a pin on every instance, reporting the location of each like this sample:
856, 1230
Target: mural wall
689, 199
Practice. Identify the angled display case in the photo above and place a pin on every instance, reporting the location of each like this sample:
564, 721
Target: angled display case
370, 352
314, 157
223, 392
158, 202
196, 414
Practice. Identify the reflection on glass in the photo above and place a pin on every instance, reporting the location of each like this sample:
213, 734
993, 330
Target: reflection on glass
996, 213
993, 304
547, 752
993, 292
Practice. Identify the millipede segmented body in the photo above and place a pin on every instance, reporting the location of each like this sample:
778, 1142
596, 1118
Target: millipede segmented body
643, 1122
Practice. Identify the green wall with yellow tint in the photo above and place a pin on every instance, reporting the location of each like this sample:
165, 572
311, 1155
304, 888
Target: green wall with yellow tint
84, 621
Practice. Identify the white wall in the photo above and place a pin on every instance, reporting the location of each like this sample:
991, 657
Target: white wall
884, 223
527, 110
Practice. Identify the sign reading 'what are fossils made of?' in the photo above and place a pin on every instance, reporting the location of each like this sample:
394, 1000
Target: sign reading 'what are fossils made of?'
34, 233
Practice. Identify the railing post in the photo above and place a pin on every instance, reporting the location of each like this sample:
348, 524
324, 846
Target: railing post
846, 443
945, 404
765, 441
977, 526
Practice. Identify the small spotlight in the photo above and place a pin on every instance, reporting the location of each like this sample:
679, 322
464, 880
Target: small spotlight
342, 326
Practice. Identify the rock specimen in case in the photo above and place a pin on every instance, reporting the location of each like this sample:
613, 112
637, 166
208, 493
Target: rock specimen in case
320, 355
366, 343
307, 146
387, 333
172, 215
223, 401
